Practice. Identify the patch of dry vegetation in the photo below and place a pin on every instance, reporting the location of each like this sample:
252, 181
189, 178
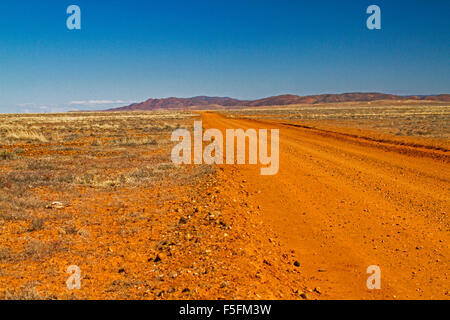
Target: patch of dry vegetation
431, 120
24, 135
51, 164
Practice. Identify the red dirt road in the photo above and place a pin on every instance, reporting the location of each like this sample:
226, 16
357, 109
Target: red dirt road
345, 203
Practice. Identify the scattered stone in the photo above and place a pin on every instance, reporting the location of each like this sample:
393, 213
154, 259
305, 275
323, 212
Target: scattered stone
55, 205
304, 296
160, 277
159, 257
223, 224
296, 263
182, 220
198, 209
161, 244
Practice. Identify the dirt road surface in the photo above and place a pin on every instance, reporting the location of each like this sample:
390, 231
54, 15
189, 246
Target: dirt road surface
344, 203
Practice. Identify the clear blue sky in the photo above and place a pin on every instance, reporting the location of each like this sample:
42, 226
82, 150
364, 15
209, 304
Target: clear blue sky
132, 50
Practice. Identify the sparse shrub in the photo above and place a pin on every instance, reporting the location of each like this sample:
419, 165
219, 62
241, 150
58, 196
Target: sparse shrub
134, 141
142, 173
70, 229
65, 178
19, 151
26, 135
5, 254
15, 200
38, 250
26, 292
83, 233
86, 179
5, 155
36, 224
41, 165
96, 143
166, 166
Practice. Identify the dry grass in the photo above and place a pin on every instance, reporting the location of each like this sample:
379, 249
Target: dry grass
5, 254
25, 135
26, 292
430, 120
63, 151
74, 159
60, 128
37, 223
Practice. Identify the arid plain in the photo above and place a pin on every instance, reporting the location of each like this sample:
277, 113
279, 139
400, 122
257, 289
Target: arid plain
359, 184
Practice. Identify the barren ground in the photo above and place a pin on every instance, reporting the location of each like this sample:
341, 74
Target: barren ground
350, 193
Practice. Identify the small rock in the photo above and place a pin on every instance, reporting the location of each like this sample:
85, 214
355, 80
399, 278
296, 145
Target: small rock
55, 205
182, 220
160, 277
159, 257
296, 263
160, 294
198, 209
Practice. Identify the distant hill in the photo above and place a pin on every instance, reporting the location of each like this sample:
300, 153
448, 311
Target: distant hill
215, 102
180, 103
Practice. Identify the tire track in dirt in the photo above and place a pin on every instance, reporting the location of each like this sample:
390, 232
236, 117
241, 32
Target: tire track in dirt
344, 204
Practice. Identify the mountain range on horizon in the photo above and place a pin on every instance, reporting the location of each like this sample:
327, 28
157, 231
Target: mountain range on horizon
202, 102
